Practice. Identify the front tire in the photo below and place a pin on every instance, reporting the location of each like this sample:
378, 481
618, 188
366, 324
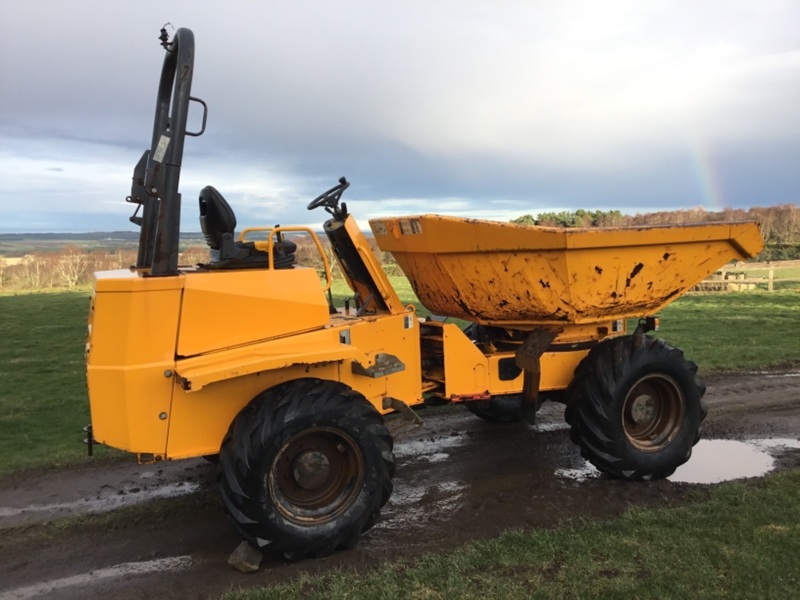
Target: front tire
635, 407
306, 468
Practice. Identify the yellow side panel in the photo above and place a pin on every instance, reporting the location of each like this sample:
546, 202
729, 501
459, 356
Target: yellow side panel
306, 348
223, 382
130, 359
228, 308
397, 335
130, 407
558, 368
199, 420
468, 372
465, 366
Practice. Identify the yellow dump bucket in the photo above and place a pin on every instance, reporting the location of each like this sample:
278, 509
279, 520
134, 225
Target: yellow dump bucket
514, 275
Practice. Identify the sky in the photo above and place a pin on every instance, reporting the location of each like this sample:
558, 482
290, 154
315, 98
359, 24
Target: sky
484, 109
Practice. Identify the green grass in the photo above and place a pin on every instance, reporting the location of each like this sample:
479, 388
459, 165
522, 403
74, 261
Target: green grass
401, 285
742, 541
735, 331
43, 405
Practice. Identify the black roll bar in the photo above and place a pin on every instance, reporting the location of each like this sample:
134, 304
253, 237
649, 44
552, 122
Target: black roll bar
157, 187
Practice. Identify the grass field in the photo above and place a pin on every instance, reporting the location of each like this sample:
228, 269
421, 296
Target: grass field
43, 404
737, 331
742, 540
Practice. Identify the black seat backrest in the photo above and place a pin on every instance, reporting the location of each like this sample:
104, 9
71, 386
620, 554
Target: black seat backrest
218, 223
216, 217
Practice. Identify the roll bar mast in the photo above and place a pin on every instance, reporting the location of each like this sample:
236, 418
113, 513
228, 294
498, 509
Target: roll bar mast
157, 174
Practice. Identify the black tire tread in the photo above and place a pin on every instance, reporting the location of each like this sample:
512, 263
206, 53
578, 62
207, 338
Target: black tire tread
264, 420
594, 404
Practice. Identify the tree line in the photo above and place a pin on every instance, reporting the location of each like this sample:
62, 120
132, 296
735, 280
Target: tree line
72, 266
780, 225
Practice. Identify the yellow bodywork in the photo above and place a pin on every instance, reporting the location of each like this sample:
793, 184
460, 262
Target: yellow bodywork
172, 360
521, 276
460, 369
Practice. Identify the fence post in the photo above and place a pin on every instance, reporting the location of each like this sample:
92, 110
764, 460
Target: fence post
771, 279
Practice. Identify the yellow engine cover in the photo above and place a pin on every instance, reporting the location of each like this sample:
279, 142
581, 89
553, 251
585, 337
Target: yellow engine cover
139, 326
221, 309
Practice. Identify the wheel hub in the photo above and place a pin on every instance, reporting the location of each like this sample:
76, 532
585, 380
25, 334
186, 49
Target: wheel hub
653, 412
643, 409
311, 470
316, 475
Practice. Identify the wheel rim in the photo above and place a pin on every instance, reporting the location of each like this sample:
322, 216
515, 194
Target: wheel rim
653, 412
316, 476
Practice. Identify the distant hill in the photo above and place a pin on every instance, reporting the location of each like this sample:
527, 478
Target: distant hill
86, 237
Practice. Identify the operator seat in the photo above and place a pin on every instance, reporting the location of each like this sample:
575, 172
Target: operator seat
218, 222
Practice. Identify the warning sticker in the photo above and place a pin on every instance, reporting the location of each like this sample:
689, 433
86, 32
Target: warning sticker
161, 148
410, 226
379, 227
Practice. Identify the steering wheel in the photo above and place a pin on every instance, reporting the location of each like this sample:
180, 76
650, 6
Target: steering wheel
330, 199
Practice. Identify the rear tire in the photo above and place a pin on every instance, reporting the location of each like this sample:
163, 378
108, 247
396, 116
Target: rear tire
506, 408
306, 468
635, 407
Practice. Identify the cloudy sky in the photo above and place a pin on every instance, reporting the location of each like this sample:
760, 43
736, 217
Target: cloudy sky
488, 109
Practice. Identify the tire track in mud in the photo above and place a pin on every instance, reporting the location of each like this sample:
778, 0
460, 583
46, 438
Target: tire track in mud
753, 390
458, 479
93, 577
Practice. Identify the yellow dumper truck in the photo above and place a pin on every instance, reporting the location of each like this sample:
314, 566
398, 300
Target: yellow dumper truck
246, 356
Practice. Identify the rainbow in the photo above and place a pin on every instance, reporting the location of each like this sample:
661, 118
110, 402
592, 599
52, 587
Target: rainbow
708, 179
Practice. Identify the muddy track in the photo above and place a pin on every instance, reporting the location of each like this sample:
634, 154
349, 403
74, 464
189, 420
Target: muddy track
158, 531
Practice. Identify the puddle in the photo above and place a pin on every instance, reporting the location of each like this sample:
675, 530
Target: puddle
587, 471
438, 457
427, 450
419, 504
550, 418
551, 426
714, 461
174, 563
772, 375
104, 503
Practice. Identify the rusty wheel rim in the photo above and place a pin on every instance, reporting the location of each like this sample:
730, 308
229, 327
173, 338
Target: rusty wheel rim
316, 476
653, 412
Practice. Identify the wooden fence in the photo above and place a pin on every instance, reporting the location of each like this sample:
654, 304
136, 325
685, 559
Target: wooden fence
737, 277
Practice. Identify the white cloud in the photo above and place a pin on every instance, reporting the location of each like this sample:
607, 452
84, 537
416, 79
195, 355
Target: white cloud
547, 104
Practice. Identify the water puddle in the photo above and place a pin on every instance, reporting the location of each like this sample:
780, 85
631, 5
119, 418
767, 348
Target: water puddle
174, 563
103, 503
419, 504
551, 426
550, 418
581, 473
772, 375
714, 461
427, 450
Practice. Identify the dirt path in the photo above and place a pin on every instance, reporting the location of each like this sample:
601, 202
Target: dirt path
458, 479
